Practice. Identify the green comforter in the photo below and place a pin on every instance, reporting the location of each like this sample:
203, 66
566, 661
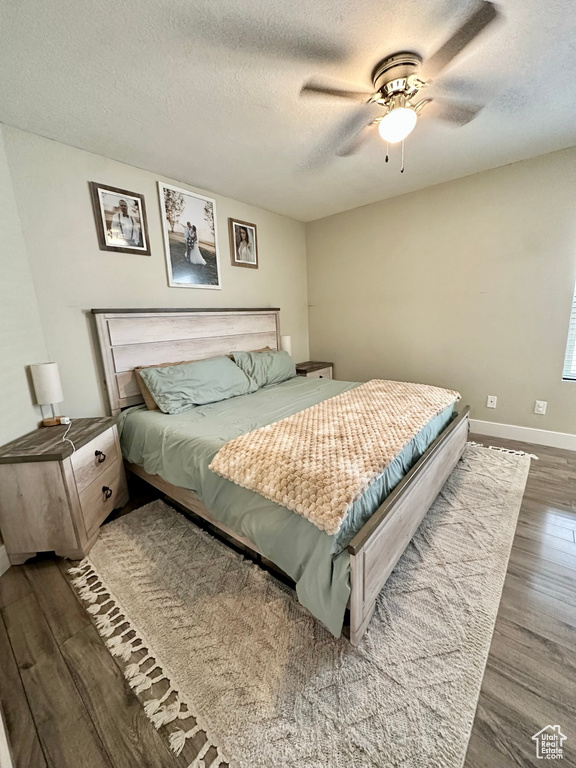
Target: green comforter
180, 447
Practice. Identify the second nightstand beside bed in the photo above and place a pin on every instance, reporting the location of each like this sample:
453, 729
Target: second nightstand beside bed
315, 370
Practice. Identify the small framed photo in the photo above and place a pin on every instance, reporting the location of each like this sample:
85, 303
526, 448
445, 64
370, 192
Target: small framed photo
120, 219
243, 244
190, 238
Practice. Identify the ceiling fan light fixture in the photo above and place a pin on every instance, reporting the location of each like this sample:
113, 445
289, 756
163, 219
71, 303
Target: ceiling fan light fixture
397, 124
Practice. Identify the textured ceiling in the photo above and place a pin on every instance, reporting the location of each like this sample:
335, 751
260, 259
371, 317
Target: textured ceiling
207, 91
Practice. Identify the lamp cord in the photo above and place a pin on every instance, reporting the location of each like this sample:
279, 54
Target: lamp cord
67, 439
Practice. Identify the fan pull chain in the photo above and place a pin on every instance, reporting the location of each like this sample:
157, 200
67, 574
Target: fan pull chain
402, 166
386, 151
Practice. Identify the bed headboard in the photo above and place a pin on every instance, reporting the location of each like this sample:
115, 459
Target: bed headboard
133, 337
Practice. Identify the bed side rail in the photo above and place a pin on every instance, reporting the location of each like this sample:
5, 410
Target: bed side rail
377, 547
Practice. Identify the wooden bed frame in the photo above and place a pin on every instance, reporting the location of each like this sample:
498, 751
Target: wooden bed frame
136, 337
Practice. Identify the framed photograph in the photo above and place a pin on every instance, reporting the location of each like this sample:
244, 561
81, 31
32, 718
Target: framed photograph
243, 244
190, 238
120, 219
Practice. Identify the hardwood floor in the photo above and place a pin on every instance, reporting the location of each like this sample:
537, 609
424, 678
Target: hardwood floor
530, 678
67, 704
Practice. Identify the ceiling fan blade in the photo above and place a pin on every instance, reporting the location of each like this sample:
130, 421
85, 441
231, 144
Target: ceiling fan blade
263, 36
353, 146
313, 86
465, 87
274, 42
342, 139
454, 112
485, 14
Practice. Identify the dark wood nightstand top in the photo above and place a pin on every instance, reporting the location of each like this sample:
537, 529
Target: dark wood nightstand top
46, 443
311, 365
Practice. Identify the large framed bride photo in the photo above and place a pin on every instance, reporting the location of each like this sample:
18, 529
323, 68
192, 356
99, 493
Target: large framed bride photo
190, 238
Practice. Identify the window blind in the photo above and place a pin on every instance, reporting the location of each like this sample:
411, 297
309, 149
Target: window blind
569, 372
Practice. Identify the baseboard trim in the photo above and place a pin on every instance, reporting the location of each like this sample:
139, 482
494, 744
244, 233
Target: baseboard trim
525, 434
4, 562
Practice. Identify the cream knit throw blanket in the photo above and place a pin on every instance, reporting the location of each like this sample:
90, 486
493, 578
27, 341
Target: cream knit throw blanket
319, 461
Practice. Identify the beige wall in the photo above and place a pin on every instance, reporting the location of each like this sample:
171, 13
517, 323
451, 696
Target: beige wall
72, 275
21, 338
466, 285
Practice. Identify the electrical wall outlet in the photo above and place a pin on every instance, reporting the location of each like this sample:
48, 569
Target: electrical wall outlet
491, 401
540, 407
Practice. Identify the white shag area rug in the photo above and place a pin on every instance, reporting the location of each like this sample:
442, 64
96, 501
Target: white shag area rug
222, 653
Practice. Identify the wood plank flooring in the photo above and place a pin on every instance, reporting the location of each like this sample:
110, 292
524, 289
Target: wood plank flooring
530, 677
67, 704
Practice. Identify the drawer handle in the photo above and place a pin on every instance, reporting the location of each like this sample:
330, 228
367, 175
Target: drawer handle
106, 491
101, 456
320, 377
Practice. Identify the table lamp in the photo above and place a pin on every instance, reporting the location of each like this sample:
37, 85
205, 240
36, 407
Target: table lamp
48, 389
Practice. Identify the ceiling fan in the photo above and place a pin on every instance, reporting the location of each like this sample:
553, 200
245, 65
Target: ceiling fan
395, 104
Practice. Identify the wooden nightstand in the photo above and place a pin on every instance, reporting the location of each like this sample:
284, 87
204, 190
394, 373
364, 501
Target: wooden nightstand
54, 498
315, 370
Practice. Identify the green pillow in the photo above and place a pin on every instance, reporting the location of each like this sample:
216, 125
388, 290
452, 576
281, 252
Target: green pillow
176, 388
267, 367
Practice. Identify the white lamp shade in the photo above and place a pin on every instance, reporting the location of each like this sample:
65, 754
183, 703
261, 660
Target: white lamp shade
397, 124
47, 384
286, 344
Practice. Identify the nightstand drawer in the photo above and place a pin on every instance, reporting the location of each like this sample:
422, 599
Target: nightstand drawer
94, 458
323, 373
103, 495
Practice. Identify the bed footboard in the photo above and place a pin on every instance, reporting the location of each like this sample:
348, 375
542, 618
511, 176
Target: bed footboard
378, 546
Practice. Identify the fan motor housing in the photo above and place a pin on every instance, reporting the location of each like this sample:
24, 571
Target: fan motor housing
392, 72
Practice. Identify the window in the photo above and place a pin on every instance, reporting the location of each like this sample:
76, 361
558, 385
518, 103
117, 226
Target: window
569, 372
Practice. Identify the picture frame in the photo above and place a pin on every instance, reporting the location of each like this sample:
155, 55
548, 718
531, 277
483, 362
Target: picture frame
120, 217
190, 234
243, 244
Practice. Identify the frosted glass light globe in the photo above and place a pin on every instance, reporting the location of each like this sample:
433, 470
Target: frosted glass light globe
397, 124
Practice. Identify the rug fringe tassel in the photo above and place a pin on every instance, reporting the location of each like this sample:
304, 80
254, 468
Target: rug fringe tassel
502, 450
133, 669
91, 595
96, 607
142, 681
113, 626
198, 761
77, 570
153, 706
514, 453
178, 738
162, 715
